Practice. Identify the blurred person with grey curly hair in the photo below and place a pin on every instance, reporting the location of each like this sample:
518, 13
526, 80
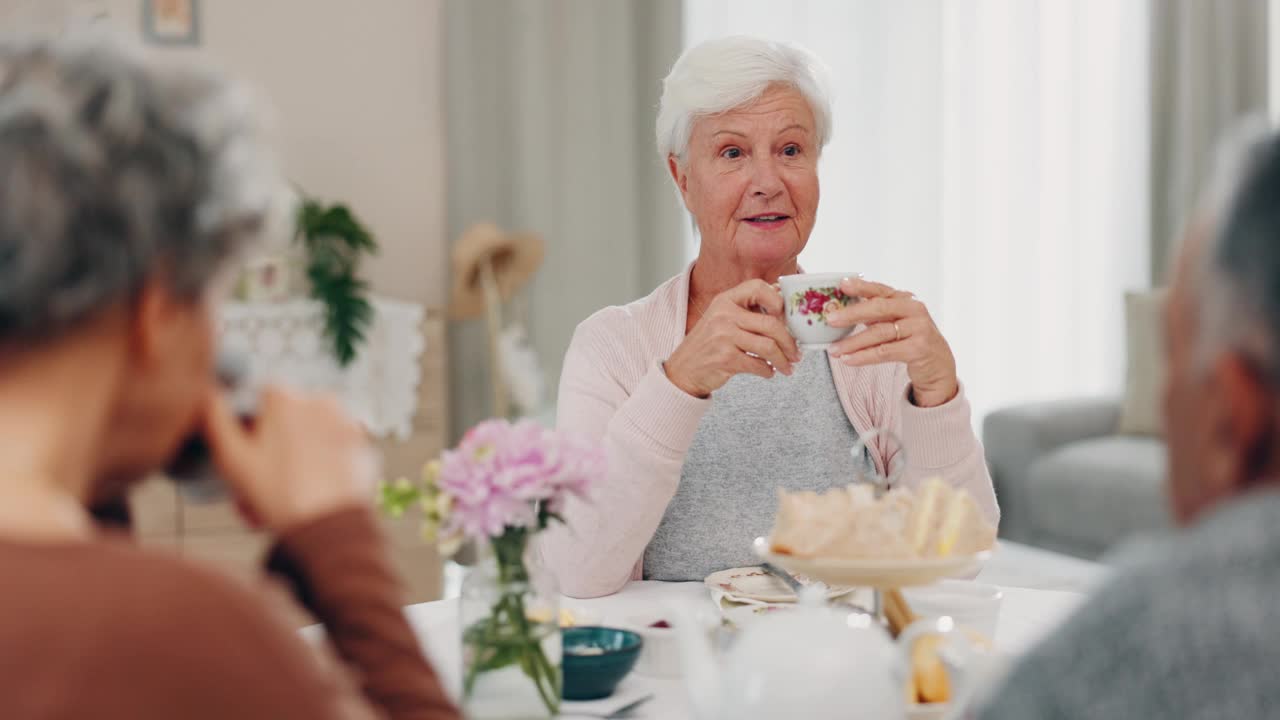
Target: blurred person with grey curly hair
127, 189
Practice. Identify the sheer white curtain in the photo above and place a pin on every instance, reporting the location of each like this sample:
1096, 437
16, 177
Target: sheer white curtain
990, 156
549, 111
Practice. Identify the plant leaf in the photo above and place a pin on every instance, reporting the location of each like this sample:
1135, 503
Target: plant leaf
335, 240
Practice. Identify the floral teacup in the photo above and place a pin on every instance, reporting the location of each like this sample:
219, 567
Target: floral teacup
810, 299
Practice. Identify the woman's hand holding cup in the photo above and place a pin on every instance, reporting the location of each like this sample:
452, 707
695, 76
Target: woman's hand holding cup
741, 332
898, 329
302, 457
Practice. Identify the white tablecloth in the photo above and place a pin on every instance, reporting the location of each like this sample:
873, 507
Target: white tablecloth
285, 341
1025, 615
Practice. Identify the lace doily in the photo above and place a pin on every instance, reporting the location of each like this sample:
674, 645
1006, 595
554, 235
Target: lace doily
285, 342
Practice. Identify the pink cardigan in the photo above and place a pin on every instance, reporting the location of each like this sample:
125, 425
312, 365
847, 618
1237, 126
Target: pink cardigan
613, 388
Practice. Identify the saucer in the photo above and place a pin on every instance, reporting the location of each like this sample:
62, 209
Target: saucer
753, 584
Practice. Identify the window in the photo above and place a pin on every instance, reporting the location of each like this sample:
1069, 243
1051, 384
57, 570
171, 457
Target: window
991, 157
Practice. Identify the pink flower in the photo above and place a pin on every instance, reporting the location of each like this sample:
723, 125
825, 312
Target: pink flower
500, 472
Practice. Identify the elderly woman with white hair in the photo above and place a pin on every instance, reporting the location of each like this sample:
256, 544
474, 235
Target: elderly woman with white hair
703, 399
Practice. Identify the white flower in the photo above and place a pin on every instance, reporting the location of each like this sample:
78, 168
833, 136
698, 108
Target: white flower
443, 504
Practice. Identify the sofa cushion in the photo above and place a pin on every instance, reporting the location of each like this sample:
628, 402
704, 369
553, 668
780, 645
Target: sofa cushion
1144, 354
1016, 437
1098, 492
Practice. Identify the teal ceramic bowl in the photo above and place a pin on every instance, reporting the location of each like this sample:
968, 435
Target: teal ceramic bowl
596, 659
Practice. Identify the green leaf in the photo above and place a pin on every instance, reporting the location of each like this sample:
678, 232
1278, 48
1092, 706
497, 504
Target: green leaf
545, 517
397, 497
335, 241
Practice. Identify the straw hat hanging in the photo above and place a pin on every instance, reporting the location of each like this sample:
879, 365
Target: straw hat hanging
513, 258
489, 267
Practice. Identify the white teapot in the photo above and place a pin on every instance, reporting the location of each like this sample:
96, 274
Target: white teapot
808, 662
821, 662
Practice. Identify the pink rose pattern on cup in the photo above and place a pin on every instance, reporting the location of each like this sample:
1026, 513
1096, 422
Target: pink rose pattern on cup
816, 303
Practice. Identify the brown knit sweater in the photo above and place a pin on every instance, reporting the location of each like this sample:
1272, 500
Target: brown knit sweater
105, 630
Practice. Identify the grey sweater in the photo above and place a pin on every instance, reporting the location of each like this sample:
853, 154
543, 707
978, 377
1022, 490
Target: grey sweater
1188, 628
759, 435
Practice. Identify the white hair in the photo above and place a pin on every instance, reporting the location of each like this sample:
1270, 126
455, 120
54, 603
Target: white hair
726, 73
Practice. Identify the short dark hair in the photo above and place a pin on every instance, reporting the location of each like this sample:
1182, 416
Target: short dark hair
1248, 251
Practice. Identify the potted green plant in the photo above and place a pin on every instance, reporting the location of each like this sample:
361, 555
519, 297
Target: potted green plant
335, 241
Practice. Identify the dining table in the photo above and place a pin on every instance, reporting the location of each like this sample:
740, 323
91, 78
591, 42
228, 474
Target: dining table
1049, 588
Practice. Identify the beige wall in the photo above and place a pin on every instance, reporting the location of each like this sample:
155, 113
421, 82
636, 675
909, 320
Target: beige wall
355, 87
356, 91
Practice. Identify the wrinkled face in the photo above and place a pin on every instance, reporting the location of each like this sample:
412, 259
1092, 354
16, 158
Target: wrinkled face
750, 179
169, 374
1219, 411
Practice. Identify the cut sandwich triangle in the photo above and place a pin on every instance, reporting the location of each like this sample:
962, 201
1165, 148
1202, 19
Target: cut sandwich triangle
928, 513
961, 517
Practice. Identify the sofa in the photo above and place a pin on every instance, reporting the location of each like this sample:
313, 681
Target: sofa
1067, 480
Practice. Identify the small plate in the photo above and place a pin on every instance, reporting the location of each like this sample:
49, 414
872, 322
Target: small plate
753, 583
884, 574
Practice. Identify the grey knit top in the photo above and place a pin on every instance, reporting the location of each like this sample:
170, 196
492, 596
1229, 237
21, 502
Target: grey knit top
758, 435
1187, 628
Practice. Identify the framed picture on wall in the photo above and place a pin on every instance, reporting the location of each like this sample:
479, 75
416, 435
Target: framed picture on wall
171, 22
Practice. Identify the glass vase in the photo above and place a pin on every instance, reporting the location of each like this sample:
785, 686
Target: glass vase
511, 649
